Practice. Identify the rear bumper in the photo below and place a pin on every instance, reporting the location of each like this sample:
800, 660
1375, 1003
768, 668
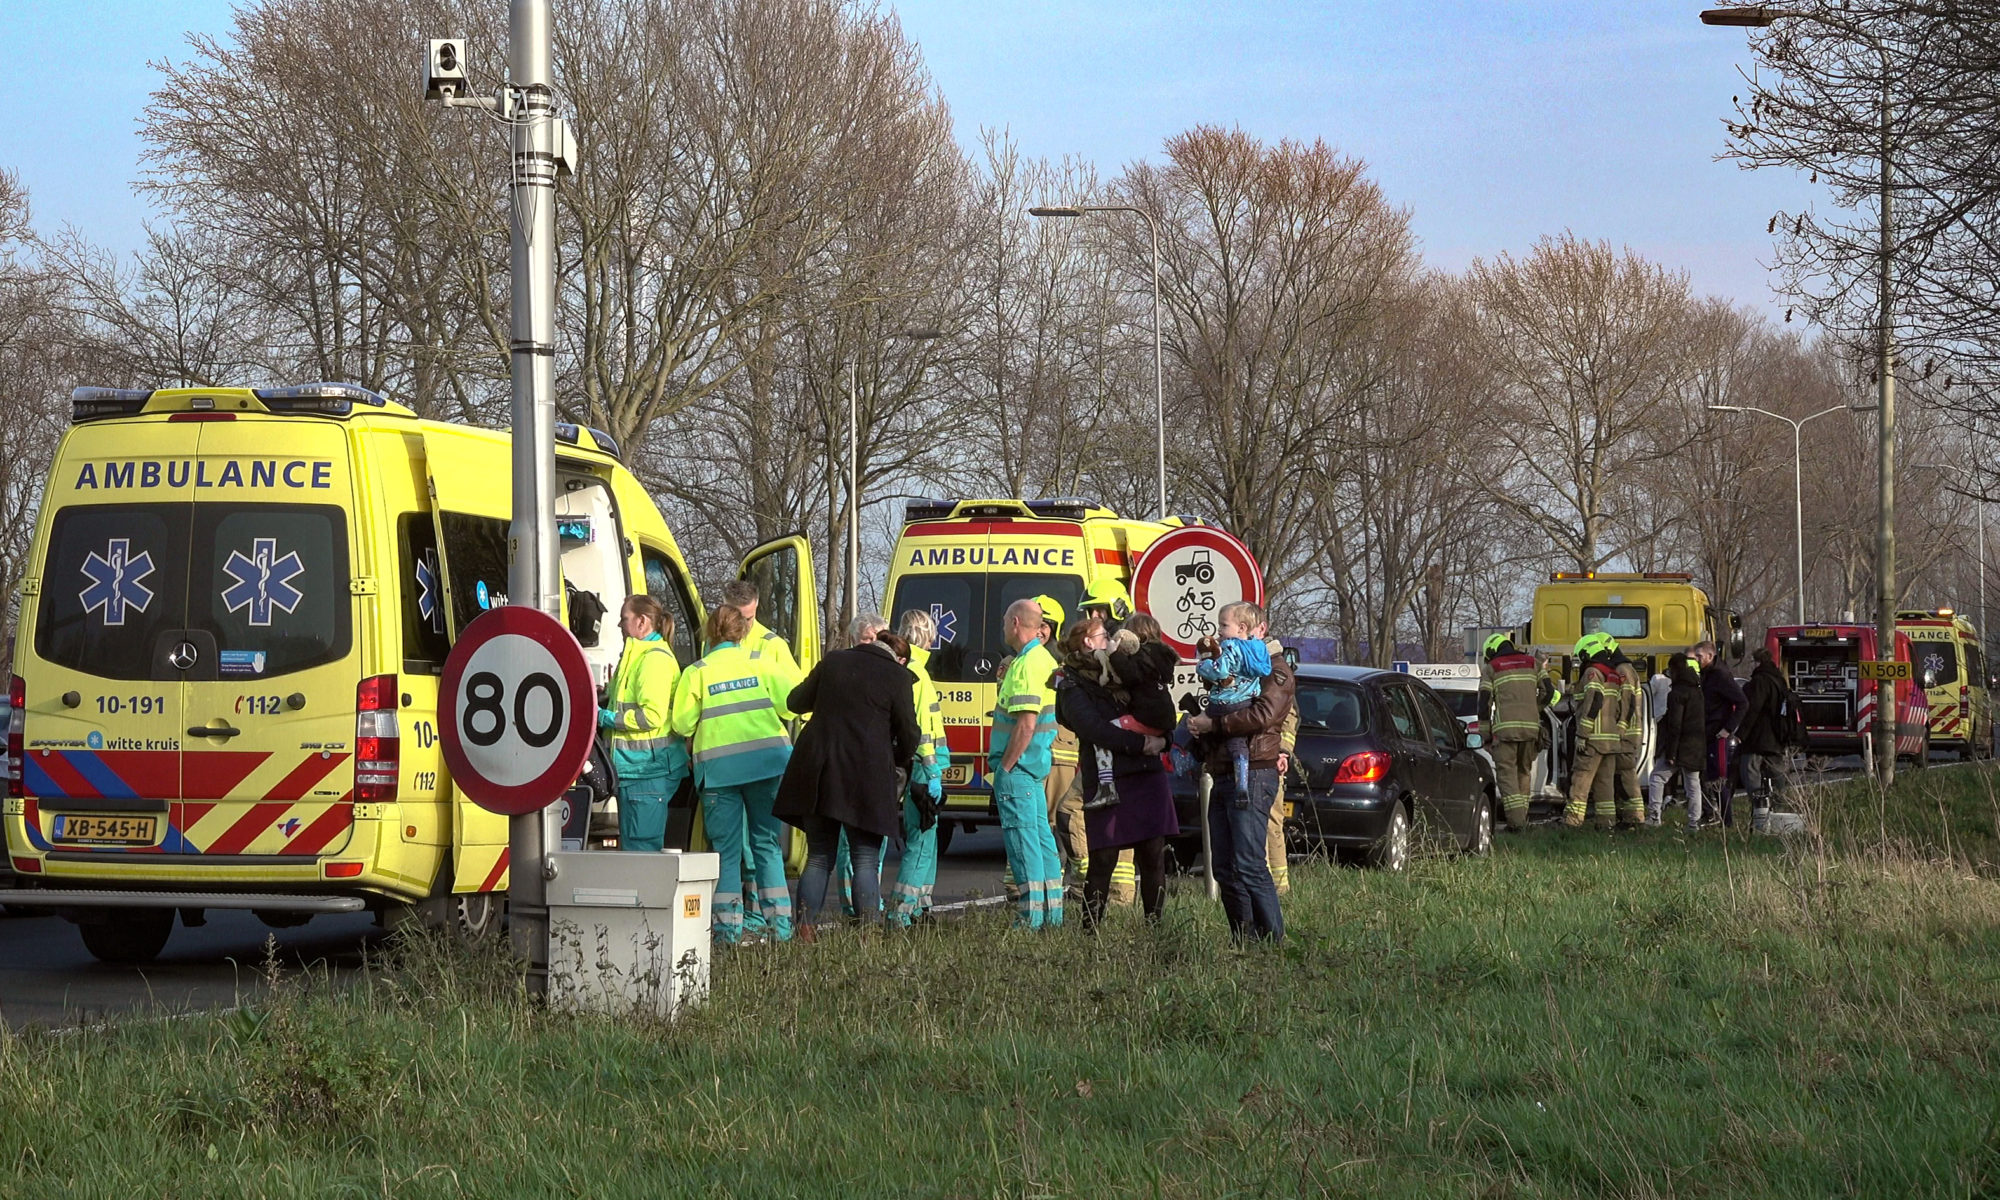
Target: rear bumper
1351, 815
81, 898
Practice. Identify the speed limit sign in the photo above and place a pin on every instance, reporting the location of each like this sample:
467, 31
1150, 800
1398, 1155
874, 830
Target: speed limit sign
519, 710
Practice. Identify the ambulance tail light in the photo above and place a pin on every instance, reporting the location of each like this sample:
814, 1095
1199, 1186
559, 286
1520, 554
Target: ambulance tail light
378, 743
1369, 766
17, 724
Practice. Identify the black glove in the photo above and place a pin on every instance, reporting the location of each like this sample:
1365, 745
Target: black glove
927, 812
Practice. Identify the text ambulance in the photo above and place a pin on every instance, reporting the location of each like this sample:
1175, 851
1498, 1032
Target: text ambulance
964, 562
226, 673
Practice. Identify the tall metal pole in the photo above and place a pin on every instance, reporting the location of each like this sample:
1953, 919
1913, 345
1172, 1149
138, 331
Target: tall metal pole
1159, 366
1799, 513
532, 574
853, 494
1885, 466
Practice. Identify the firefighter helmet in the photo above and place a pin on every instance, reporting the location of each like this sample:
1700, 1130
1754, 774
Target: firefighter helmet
1110, 595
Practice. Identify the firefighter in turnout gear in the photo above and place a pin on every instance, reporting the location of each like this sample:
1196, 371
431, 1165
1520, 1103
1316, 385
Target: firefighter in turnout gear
1513, 691
1631, 737
1599, 734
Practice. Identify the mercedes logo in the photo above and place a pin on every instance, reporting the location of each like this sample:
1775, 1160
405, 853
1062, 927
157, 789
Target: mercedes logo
983, 667
183, 656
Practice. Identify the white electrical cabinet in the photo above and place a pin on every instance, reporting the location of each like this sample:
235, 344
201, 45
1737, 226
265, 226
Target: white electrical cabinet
629, 931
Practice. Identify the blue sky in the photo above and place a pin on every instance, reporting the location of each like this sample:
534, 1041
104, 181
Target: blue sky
1495, 123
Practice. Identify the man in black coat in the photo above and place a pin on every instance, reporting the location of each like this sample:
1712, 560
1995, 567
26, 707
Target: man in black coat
1766, 744
1723, 703
843, 771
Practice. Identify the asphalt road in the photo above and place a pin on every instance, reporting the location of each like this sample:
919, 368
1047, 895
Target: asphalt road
47, 978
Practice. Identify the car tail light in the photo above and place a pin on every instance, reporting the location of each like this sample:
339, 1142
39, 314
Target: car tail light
17, 724
378, 743
1369, 766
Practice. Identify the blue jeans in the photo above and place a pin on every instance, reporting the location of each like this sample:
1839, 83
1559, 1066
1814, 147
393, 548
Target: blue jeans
1236, 837
823, 838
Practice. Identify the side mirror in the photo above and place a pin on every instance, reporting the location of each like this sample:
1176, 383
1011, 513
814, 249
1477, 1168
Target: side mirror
1475, 740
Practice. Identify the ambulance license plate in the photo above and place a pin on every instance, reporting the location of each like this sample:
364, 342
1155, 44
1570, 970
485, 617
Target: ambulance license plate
77, 829
957, 776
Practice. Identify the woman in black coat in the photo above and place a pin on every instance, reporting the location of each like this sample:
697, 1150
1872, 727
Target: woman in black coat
843, 774
1101, 714
1680, 741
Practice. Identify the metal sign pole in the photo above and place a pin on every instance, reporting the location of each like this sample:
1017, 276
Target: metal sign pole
532, 577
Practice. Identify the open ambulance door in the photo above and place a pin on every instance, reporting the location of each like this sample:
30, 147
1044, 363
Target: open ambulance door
788, 604
470, 515
788, 597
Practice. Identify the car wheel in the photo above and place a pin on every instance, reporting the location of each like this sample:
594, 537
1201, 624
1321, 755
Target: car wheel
1481, 841
1182, 854
478, 916
128, 936
1391, 851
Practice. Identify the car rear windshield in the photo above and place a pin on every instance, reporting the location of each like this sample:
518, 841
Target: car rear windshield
268, 582
970, 610
1328, 706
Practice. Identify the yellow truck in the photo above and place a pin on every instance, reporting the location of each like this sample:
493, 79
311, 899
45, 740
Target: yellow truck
964, 562
235, 616
1652, 614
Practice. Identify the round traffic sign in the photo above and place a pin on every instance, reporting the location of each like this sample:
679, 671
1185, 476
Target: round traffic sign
1186, 577
518, 710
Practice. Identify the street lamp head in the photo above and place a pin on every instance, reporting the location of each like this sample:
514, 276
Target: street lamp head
1724, 408
1755, 16
1056, 210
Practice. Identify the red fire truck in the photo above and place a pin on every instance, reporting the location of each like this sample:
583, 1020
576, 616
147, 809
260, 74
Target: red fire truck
1823, 664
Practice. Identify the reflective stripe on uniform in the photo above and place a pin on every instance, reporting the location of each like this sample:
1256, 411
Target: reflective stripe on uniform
635, 743
740, 706
715, 752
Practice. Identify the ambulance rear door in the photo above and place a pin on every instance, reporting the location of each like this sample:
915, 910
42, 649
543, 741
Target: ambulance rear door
274, 578
787, 596
104, 712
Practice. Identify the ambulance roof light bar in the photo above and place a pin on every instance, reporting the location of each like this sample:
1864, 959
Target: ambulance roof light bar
568, 432
91, 403
329, 399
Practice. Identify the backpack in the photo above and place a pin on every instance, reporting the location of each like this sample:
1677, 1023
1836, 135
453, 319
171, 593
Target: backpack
1791, 720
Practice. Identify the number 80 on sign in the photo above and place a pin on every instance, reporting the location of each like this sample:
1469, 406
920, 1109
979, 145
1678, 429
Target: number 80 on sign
519, 710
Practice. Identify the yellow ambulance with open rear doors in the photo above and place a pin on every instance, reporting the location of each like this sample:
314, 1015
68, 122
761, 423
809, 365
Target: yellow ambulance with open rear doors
226, 672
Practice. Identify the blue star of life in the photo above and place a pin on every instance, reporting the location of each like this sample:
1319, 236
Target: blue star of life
263, 580
947, 623
114, 581
427, 580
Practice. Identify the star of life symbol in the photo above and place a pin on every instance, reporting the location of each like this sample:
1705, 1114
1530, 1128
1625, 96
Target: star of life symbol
427, 591
263, 580
947, 623
114, 581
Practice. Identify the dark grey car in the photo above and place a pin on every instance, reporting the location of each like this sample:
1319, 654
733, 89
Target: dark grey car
1384, 764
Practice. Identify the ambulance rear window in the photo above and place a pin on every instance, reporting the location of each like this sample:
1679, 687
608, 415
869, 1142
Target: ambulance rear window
114, 583
271, 583
1938, 657
970, 610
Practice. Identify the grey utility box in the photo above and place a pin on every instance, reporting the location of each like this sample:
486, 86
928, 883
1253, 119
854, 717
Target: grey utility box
629, 931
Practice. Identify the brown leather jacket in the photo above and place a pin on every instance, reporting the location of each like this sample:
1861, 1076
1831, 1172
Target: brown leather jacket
1263, 722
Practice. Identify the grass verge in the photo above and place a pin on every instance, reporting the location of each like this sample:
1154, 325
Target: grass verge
1580, 1014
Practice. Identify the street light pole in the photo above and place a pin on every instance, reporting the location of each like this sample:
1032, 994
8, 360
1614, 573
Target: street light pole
1798, 483
1760, 16
1159, 359
922, 334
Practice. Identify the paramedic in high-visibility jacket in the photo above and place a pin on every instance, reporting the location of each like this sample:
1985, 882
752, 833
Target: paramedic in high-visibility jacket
1024, 729
650, 758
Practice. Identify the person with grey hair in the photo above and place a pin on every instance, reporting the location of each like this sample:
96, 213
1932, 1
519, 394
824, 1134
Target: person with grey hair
862, 629
846, 774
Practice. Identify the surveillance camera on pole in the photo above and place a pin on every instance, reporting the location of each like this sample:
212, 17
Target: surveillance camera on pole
540, 152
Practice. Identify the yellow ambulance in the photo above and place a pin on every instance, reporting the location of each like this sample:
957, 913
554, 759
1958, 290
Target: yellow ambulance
964, 562
226, 672
1944, 644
